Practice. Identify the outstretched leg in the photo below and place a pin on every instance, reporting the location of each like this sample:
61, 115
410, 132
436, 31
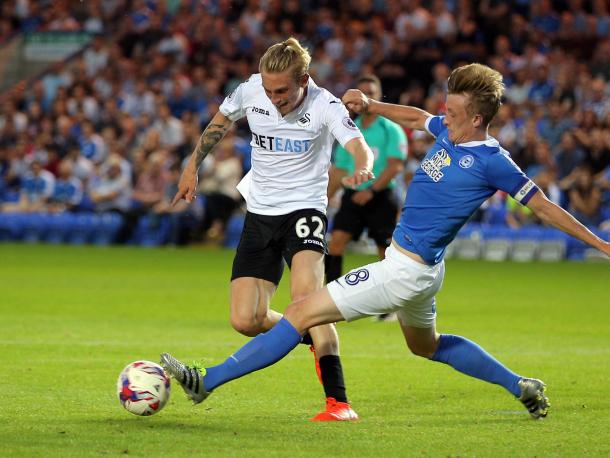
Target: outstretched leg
469, 358
261, 351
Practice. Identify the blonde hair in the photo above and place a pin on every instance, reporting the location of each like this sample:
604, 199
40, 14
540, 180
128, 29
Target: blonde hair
289, 54
483, 85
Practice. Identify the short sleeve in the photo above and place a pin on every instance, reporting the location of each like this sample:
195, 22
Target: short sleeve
397, 146
233, 105
504, 174
434, 125
340, 124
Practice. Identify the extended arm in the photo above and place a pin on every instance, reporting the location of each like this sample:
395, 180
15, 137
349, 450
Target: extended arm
556, 216
411, 117
363, 161
213, 133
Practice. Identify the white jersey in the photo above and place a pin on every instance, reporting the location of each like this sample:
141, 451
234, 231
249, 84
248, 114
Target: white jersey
290, 154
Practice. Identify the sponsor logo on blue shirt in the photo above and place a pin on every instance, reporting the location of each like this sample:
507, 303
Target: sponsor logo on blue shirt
433, 166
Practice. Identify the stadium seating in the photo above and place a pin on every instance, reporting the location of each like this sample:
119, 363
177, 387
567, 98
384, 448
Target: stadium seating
105, 228
152, 231
553, 245
526, 246
497, 242
473, 241
468, 242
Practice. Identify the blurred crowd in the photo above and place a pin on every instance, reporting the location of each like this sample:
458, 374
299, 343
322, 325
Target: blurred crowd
109, 129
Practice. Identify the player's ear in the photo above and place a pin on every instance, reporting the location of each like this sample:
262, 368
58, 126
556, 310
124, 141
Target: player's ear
304, 80
477, 121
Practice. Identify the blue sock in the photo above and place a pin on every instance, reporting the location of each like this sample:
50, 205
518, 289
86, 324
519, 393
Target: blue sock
262, 351
467, 357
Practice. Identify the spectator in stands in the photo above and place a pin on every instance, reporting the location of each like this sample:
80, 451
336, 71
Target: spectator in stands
125, 74
147, 192
597, 155
111, 192
138, 100
11, 115
542, 88
37, 187
169, 127
219, 186
543, 159
68, 192
518, 215
554, 124
183, 217
568, 155
81, 100
92, 145
585, 198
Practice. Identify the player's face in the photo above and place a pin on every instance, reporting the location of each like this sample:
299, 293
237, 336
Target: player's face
461, 125
370, 89
284, 91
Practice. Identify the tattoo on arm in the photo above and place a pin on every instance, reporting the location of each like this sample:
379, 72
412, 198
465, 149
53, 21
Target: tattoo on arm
209, 139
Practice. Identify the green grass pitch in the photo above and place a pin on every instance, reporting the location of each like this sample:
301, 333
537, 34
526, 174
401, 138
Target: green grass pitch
72, 317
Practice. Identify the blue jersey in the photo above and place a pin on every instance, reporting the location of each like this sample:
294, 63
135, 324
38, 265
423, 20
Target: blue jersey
451, 183
68, 191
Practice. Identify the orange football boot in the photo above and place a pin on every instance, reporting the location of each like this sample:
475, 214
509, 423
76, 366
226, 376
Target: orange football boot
336, 411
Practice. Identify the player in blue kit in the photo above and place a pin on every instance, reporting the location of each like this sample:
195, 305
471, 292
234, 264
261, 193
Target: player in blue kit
460, 171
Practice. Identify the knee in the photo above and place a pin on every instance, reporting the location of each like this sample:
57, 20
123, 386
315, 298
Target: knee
296, 314
246, 326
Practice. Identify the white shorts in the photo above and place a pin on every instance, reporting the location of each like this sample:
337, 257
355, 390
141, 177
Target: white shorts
396, 284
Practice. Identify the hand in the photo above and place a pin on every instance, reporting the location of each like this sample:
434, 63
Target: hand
359, 177
363, 197
187, 187
356, 101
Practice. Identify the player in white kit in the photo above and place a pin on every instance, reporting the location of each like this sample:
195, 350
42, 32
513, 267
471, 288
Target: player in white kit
293, 123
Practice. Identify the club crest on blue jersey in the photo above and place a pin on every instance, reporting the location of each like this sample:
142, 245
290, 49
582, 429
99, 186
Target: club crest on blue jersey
434, 165
466, 161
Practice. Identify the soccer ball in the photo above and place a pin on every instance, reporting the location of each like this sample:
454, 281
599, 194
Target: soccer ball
143, 388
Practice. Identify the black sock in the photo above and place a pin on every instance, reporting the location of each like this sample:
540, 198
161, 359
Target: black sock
332, 377
307, 340
333, 265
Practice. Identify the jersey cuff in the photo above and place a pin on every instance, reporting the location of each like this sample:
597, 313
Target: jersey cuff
427, 123
524, 192
228, 114
346, 138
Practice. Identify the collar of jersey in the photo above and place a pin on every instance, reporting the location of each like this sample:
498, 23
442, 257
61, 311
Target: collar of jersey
492, 142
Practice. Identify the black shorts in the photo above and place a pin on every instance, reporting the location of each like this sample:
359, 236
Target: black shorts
378, 215
268, 240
